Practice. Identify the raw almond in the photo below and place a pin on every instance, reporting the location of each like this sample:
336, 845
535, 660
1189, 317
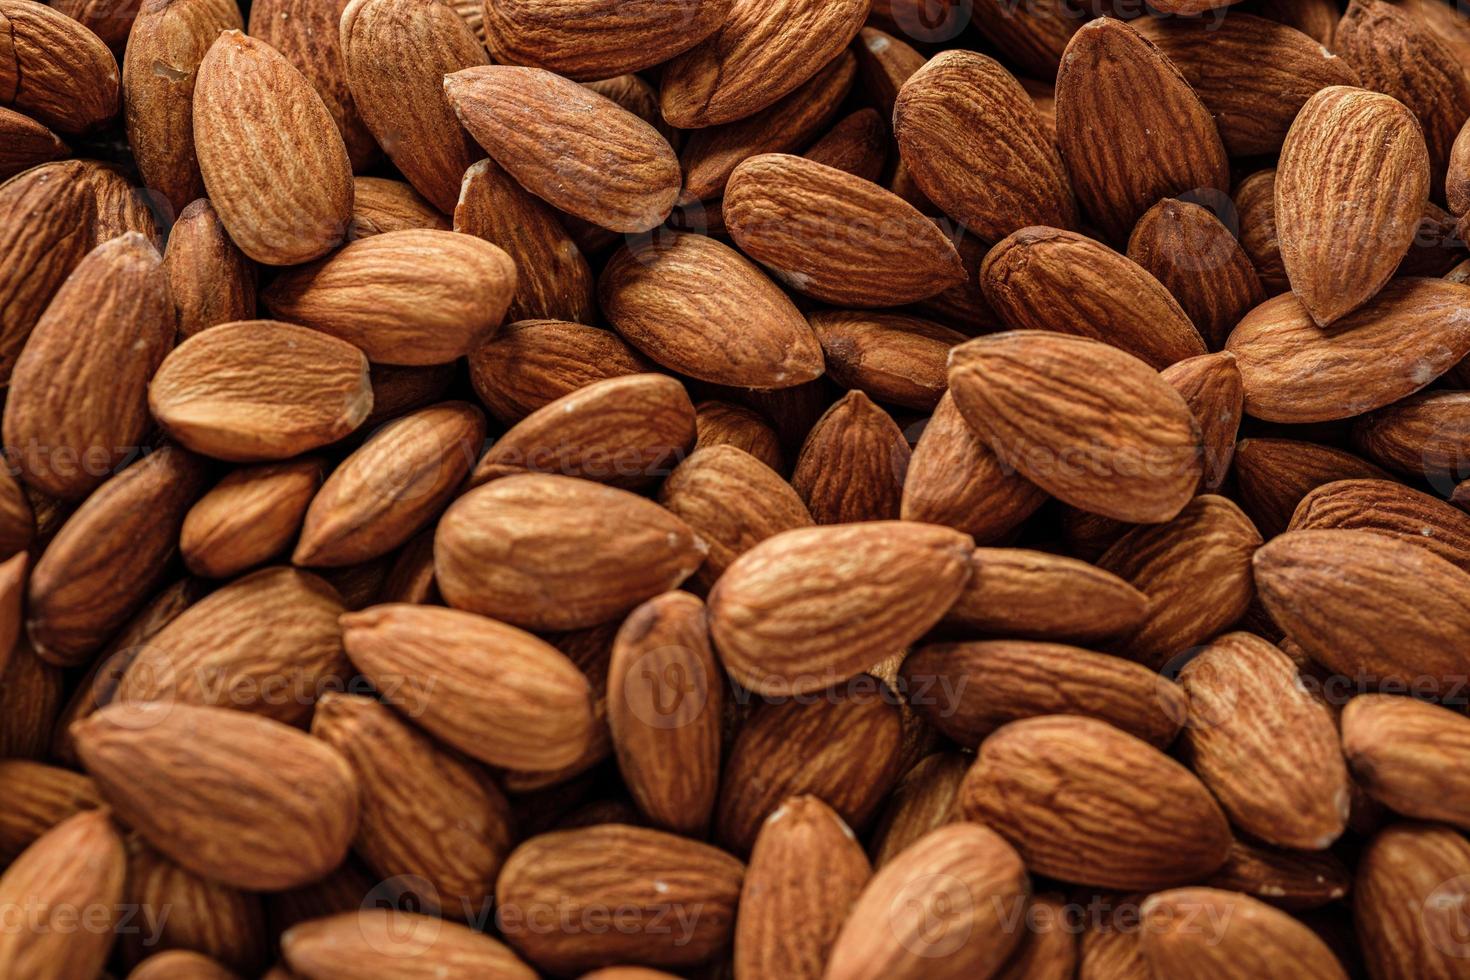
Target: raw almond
1255, 205
24, 143
380, 205
394, 942
180, 964
210, 279
41, 797
1212, 387
1012, 591
1287, 879
1410, 886
1273, 475
249, 517
1034, 41
1409, 755
1424, 436
922, 801
852, 464
1248, 939
1389, 508
891, 357
55, 70
885, 63
857, 145
530, 364
719, 423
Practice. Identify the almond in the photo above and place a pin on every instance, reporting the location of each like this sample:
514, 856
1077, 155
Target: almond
896, 359
1210, 933
1339, 258
41, 797
836, 237
211, 280
249, 517
1286, 879
1427, 435
857, 145
391, 942
1255, 203
852, 465
976, 146
922, 801
591, 44
55, 70
719, 423
647, 876
1408, 755
260, 389
885, 63
273, 161
1212, 387
788, 616
1388, 508
680, 299
178, 964
1123, 152
530, 364
1273, 475
1086, 422
1106, 776
1407, 899
26, 143
1035, 39
270, 808
1050, 279
380, 205
31, 698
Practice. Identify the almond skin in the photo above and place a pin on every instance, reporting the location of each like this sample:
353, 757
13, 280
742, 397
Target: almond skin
897, 928
1273, 475
532, 363
1088, 423
1388, 508
1409, 755
1337, 259
78, 400
1255, 203
521, 549
1250, 939
1409, 888
663, 706
1215, 393
392, 942
922, 801
272, 159
179, 964
249, 517
1423, 436
680, 298
968, 690
643, 873
1163, 145
380, 205
976, 146
624, 432
574, 149
719, 423
289, 390
893, 358
26, 143
211, 280
852, 464
56, 71
760, 52
41, 796
1368, 606
391, 487
1012, 591
805, 872
1050, 279
836, 237
274, 808
788, 618
404, 297
1181, 834
474, 700
1287, 879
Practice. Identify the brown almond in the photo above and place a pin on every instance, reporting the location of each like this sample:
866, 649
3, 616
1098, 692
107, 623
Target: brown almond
290, 390
41, 797
922, 801
591, 44
394, 942
1035, 40
1389, 508
1409, 755
530, 364
24, 143
32, 693
891, 357
273, 162
211, 280
718, 423
1049, 947
1273, 475
1012, 592
857, 145
1424, 436
249, 517
278, 810
852, 464
1292, 880
885, 62
1220, 935
380, 205
1255, 204
1050, 279
774, 639
1409, 889
180, 964
1215, 393
55, 70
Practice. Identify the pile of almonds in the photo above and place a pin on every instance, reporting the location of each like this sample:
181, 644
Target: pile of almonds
755, 489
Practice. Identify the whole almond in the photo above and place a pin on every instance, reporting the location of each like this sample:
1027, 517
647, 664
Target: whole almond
718, 423
678, 298
57, 71
1034, 41
1215, 393
1050, 946
25, 144
394, 942
775, 637
41, 797
1248, 938
1407, 896
1133, 453
574, 149
1407, 754
1179, 831
1423, 436
272, 159
179, 964
211, 280
289, 390
1012, 591
249, 517
1255, 204
1287, 879
274, 808
1273, 475
380, 205
922, 801
893, 358
1389, 508
852, 464
32, 692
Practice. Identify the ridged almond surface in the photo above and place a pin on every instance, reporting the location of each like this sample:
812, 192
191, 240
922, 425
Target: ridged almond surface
392, 486
24, 143
110, 555
268, 643
893, 358
812, 607
530, 364
577, 150
407, 781
1273, 475
75, 869
1090, 424
1386, 507
600, 40
413, 297
922, 801
1059, 788
380, 204
397, 53
41, 796
852, 464
664, 702
1264, 746
211, 280
1248, 939
1013, 592
1396, 343
625, 432
168, 40
762, 50
718, 423
1253, 74
392, 942
1255, 206
1050, 279
1215, 393
1424, 436
1348, 144
77, 405
553, 280
1407, 896
180, 964
490, 690
1368, 606
1292, 880
521, 549
1130, 128
885, 63
733, 502
249, 517
55, 70
1034, 41
31, 697
843, 748
858, 145
13, 574
805, 872
1409, 755
231, 796
1196, 572
1197, 259
836, 237
642, 873
260, 389
937, 910
702, 309
273, 162
975, 144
